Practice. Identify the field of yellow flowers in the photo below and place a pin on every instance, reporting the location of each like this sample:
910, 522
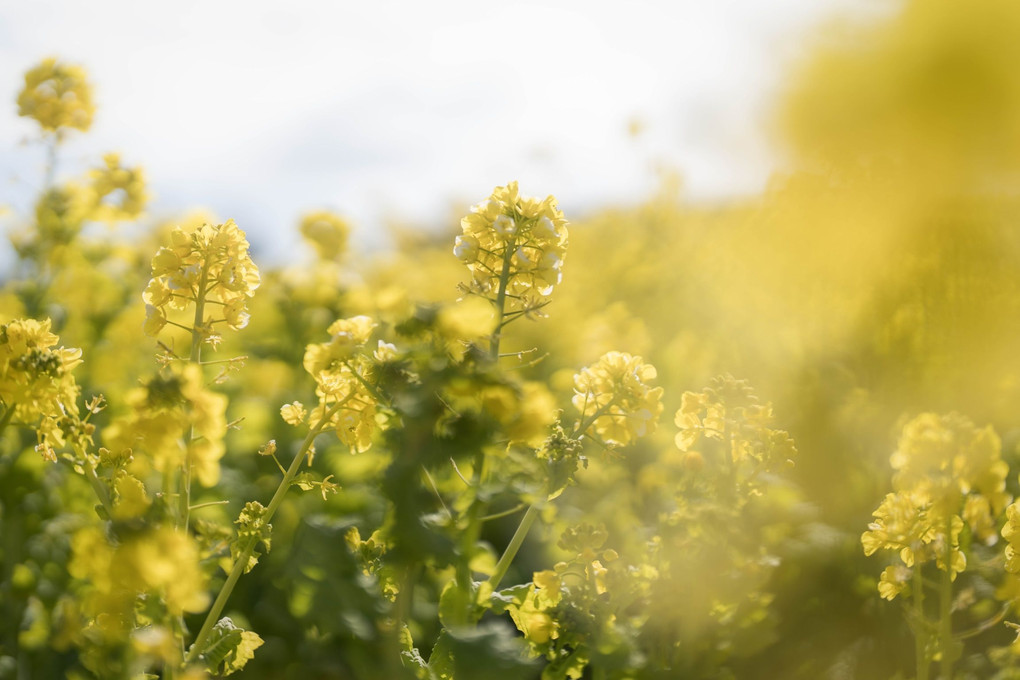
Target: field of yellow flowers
776, 438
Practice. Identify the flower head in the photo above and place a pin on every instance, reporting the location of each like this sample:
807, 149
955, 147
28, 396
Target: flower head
326, 232
35, 378
614, 393
524, 238
57, 96
211, 263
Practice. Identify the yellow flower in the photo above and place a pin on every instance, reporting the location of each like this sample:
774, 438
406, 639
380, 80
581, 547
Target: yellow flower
114, 180
211, 263
615, 395
293, 413
326, 232
162, 410
1011, 532
348, 336
341, 373
899, 525
465, 322
893, 580
36, 384
57, 96
941, 458
130, 498
516, 239
160, 562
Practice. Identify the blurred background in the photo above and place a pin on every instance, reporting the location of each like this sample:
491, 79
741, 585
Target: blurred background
396, 111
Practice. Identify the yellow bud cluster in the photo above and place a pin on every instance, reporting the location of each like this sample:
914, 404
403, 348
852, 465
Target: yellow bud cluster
615, 395
210, 264
57, 96
520, 239
36, 383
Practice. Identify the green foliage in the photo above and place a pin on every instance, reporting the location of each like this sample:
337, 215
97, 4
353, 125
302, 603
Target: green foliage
229, 648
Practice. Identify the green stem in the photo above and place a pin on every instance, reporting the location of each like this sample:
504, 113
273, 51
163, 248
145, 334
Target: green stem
472, 532
5, 420
532, 514
100, 490
583, 426
242, 561
504, 280
376, 394
184, 508
946, 606
51, 162
515, 545
920, 626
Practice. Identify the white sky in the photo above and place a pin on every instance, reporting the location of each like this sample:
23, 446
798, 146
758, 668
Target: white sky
381, 109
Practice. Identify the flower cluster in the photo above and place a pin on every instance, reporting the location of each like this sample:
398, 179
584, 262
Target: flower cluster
125, 184
162, 410
160, 562
615, 398
949, 474
341, 374
524, 411
326, 232
57, 96
1011, 532
210, 264
728, 412
516, 244
945, 461
36, 383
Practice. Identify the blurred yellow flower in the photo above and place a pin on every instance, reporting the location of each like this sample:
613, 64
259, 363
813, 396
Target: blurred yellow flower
326, 232
57, 96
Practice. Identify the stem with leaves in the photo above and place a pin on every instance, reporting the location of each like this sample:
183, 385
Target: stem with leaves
241, 562
517, 540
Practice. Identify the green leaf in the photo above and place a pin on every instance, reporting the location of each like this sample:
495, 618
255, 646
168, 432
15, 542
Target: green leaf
441, 658
229, 648
304, 481
490, 650
252, 529
512, 596
454, 605
411, 658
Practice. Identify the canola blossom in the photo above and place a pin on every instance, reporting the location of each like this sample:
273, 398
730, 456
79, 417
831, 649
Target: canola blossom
57, 96
614, 394
516, 244
212, 262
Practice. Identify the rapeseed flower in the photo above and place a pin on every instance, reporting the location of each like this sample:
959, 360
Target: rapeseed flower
209, 264
615, 398
57, 96
515, 242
